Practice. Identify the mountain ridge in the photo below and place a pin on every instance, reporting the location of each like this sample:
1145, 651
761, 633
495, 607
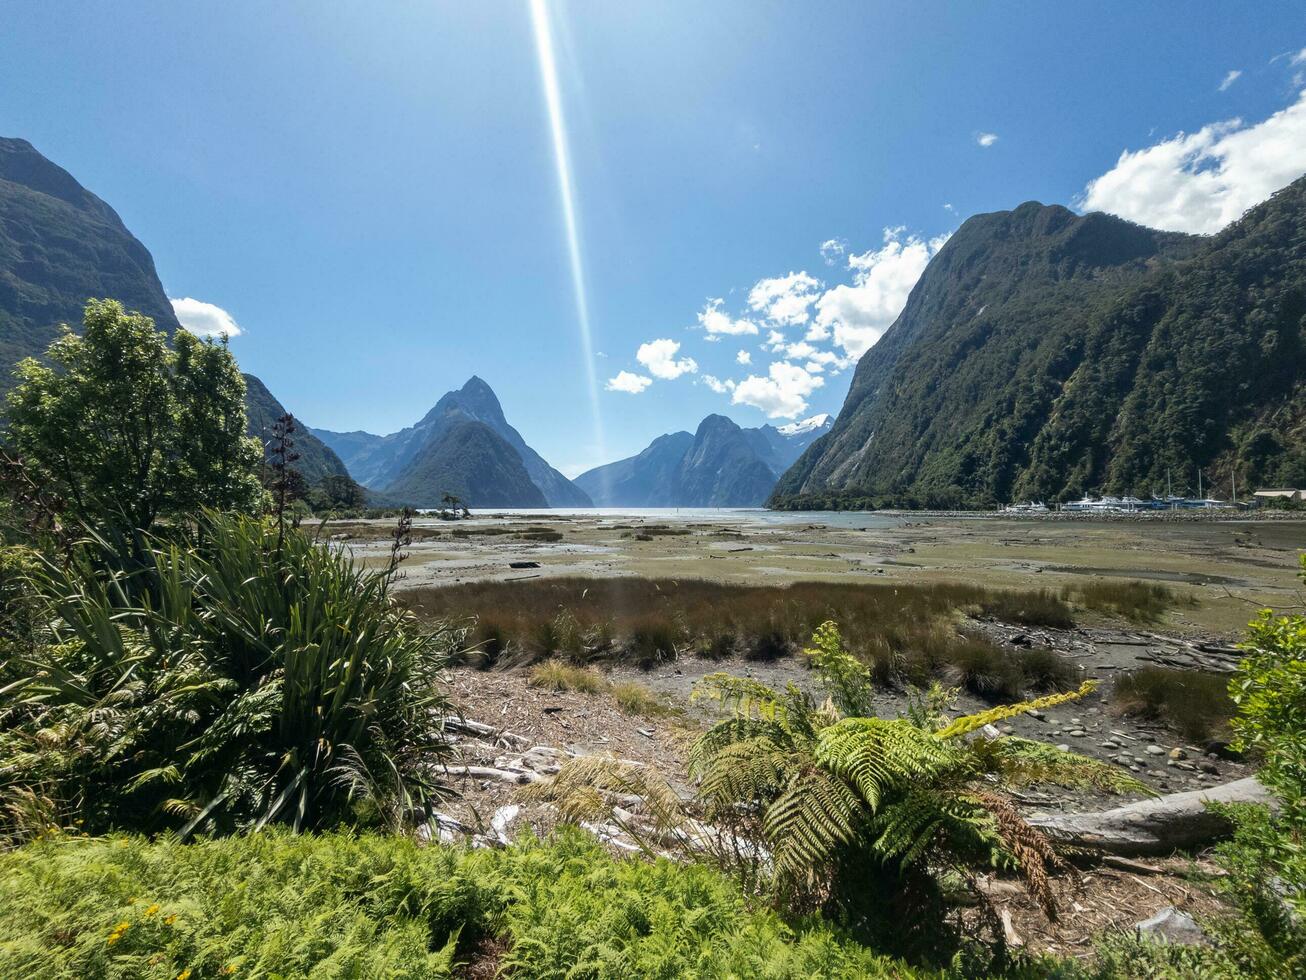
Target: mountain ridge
1044, 354
719, 465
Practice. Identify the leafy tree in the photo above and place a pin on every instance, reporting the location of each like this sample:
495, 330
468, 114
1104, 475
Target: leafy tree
118, 424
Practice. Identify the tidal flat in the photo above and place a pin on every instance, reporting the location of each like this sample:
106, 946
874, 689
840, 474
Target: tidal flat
1227, 568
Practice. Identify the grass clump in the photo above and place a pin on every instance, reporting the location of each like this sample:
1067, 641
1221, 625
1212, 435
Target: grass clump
1037, 608
636, 699
1194, 703
553, 675
365, 905
544, 534
1138, 602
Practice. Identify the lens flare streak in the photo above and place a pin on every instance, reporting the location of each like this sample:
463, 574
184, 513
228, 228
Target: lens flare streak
566, 191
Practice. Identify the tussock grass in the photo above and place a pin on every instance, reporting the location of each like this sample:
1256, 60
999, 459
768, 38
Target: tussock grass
1139, 602
1194, 703
1038, 608
553, 675
905, 633
347, 905
636, 699
541, 535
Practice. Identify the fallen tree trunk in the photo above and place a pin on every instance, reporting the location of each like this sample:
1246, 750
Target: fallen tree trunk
1153, 827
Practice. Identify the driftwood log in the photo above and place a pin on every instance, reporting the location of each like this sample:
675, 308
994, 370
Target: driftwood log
1153, 827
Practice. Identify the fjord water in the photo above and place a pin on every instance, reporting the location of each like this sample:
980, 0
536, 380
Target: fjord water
705, 515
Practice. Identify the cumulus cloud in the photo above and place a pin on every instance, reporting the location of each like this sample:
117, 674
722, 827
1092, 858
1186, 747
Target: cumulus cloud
659, 357
717, 322
784, 299
743, 357
717, 385
631, 384
857, 315
986, 139
1200, 182
782, 393
832, 249
1229, 79
775, 340
204, 319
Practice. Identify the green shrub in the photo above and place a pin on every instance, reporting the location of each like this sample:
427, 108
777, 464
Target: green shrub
231, 680
276, 904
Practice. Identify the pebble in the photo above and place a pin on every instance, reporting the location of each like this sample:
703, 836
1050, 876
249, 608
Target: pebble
1177, 753
1110, 744
1123, 760
1064, 747
1077, 733
1155, 750
1209, 767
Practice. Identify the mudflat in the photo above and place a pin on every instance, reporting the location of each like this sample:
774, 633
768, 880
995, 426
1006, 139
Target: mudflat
1230, 567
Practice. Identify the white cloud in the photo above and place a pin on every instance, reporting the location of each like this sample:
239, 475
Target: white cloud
817, 331
1200, 182
986, 139
743, 357
659, 357
857, 315
718, 322
832, 249
632, 384
781, 394
717, 385
1229, 79
204, 319
950, 209
784, 299
775, 340
800, 350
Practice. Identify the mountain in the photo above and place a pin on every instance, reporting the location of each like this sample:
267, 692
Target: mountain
60, 245
316, 460
721, 465
468, 459
384, 462
1045, 354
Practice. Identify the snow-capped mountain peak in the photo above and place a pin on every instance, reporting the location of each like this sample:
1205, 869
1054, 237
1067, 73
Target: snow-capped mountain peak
812, 424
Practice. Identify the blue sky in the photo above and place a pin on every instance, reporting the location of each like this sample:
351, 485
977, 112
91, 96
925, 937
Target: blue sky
369, 190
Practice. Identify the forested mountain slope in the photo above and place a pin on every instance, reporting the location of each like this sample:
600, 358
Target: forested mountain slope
1044, 354
471, 461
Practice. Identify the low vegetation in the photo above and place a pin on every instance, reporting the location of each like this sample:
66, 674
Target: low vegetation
829, 808
341, 905
631, 697
904, 633
1139, 602
1195, 704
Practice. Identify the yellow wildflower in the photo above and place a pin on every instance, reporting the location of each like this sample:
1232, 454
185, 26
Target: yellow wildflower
118, 931
170, 919
152, 909
184, 974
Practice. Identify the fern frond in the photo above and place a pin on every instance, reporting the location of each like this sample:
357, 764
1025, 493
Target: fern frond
1032, 851
877, 755
970, 723
753, 770
1021, 761
816, 815
740, 694
728, 732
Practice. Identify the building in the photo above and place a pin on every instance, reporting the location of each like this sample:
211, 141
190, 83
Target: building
1265, 496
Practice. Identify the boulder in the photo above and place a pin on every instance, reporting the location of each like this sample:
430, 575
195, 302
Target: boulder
1172, 926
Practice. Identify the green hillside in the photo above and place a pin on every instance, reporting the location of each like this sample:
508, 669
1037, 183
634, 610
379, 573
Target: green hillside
1044, 355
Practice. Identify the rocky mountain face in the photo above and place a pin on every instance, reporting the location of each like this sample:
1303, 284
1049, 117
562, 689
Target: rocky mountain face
388, 463
468, 459
1045, 354
316, 460
720, 465
60, 245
